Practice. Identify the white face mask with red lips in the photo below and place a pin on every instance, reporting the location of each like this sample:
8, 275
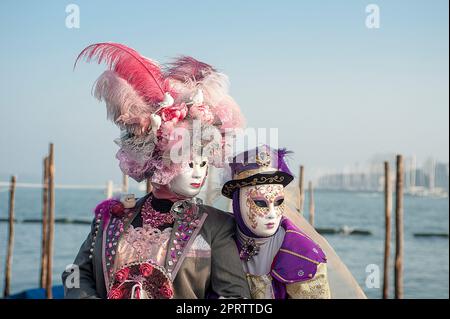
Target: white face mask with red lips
189, 182
262, 207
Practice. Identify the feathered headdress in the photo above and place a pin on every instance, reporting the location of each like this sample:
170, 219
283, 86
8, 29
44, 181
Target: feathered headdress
148, 102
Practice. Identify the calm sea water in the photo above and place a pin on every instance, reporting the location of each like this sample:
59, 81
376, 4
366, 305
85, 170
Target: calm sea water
426, 265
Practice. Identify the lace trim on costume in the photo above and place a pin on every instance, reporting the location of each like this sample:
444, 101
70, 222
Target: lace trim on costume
142, 239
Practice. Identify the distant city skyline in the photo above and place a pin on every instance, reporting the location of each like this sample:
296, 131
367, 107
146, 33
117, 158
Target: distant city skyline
430, 174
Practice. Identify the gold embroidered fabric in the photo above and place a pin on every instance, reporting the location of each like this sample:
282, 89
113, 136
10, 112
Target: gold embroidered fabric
260, 286
231, 186
316, 288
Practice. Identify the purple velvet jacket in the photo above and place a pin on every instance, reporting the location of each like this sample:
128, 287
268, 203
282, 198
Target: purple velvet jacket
297, 259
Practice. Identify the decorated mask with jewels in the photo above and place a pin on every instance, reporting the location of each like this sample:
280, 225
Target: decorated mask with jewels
262, 207
257, 190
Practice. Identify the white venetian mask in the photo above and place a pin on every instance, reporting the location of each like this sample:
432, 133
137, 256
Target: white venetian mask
191, 178
262, 207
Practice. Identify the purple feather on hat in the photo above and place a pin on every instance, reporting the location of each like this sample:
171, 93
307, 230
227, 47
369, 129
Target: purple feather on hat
282, 165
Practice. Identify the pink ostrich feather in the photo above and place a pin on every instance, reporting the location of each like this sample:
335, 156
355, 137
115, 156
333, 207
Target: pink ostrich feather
143, 74
192, 74
187, 68
124, 106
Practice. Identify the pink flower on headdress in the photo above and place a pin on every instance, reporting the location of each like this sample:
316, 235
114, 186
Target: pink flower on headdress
174, 113
202, 112
229, 114
122, 274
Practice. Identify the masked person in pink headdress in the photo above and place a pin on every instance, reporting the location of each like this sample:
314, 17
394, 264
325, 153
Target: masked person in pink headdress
166, 244
280, 261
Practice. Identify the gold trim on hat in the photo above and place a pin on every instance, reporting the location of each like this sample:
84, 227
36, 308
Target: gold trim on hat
251, 172
229, 188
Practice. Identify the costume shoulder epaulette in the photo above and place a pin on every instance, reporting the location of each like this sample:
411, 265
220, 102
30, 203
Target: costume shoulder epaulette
115, 207
298, 257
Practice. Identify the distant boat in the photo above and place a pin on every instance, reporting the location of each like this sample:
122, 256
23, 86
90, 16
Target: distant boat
442, 235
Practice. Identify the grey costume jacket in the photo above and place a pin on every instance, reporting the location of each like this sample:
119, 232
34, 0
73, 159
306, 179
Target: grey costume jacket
216, 272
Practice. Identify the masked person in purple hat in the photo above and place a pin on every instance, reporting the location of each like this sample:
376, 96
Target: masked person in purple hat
280, 261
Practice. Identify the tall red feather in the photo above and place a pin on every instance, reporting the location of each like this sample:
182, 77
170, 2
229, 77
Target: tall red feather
144, 75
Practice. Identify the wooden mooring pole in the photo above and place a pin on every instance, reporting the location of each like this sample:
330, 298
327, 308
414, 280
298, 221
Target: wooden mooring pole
9, 255
387, 228
51, 220
311, 203
125, 184
301, 197
44, 256
399, 229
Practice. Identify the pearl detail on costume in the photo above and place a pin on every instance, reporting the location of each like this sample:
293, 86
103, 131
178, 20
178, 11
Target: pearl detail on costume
94, 236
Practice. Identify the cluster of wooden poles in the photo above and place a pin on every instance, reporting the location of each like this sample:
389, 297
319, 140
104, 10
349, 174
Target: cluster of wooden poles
48, 226
48, 222
398, 265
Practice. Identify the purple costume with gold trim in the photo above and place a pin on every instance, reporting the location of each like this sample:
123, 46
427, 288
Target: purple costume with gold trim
296, 261
288, 264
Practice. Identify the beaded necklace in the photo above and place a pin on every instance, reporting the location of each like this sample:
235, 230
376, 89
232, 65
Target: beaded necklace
152, 217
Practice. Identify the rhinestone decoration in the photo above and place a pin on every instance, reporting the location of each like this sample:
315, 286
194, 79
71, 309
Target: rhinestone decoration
263, 159
249, 249
154, 218
187, 220
116, 229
